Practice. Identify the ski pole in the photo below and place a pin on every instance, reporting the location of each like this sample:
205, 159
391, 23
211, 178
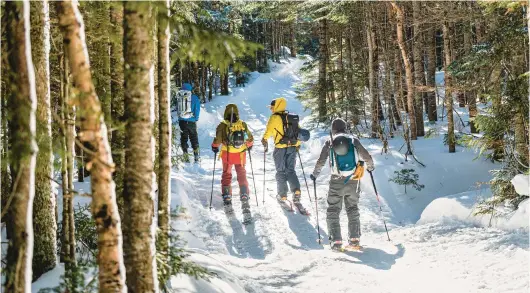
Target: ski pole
252, 169
264, 157
316, 207
213, 176
306, 185
379, 203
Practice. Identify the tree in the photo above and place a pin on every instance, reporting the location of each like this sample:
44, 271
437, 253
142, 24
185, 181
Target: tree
94, 132
419, 72
22, 104
451, 141
117, 98
45, 246
322, 80
164, 156
138, 189
408, 71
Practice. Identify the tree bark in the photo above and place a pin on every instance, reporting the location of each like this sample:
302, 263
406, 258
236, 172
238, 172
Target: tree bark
448, 92
431, 74
322, 75
471, 96
210, 82
117, 97
139, 192
224, 84
419, 75
408, 71
45, 241
293, 39
164, 157
94, 131
22, 104
372, 73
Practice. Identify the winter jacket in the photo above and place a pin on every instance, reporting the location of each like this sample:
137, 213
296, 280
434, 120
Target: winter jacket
338, 128
195, 104
232, 154
275, 124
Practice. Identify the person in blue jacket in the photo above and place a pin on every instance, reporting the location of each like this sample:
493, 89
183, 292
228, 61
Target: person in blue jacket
188, 117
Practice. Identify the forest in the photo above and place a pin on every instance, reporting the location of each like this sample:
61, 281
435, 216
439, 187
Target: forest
93, 171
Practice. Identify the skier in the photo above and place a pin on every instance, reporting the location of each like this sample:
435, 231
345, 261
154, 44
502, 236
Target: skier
188, 110
344, 183
283, 127
235, 138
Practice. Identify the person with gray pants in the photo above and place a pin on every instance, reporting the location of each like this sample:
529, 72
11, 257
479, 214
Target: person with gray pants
343, 185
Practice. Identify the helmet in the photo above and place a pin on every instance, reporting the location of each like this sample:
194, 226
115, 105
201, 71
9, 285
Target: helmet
341, 145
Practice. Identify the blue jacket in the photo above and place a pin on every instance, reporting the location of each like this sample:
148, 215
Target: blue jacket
195, 104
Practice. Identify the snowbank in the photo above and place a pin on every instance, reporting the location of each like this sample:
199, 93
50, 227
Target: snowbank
521, 183
223, 282
460, 208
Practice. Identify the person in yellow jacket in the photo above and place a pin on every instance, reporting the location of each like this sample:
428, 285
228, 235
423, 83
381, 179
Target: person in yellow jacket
285, 151
235, 138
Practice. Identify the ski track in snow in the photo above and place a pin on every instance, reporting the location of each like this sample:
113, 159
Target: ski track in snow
279, 251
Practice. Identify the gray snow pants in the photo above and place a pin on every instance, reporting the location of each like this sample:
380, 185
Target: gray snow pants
285, 162
338, 191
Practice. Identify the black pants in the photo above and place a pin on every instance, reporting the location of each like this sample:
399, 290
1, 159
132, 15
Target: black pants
188, 130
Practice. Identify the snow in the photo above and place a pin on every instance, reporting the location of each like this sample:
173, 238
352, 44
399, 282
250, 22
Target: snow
437, 245
521, 183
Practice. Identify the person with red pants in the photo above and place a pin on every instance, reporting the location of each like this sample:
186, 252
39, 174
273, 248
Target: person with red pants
235, 138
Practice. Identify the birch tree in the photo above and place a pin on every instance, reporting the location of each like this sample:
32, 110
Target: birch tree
22, 104
94, 131
45, 248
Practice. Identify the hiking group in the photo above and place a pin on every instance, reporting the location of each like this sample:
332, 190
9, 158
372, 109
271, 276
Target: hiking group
233, 139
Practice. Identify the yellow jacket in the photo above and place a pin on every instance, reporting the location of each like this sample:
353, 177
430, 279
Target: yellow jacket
275, 124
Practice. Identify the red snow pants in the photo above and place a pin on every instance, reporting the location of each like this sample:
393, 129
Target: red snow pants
226, 179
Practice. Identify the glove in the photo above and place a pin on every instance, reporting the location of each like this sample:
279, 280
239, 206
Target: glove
215, 150
370, 168
265, 144
249, 145
313, 177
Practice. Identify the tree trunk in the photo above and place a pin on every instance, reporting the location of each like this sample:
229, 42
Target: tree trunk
22, 103
408, 71
164, 156
419, 75
471, 96
45, 246
431, 74
98, 50
118, 104
448, 91
372, 73
94, 131
293, 39
322, 75
224, 84
350, 87
210, 82
139, 191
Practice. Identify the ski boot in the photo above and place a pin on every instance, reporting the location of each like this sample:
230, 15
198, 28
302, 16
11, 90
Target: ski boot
353, 244
296, 202
196, 157
285, 203
227, 201
186, 157
336, 245
245, 206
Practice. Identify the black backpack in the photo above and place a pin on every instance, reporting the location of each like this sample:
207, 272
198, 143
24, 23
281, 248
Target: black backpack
291, 128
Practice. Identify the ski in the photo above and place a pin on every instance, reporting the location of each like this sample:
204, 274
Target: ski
285, 204
247, 218
229, 210
301, 209
352, 248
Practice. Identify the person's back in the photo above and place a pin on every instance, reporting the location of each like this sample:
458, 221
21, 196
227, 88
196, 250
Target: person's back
188, 110
283, 128
234, 138
344, 152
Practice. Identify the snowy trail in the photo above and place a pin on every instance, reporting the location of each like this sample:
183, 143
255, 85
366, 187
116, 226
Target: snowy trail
279, 252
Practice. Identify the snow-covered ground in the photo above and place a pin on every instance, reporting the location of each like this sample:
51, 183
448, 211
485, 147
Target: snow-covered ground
437, 244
